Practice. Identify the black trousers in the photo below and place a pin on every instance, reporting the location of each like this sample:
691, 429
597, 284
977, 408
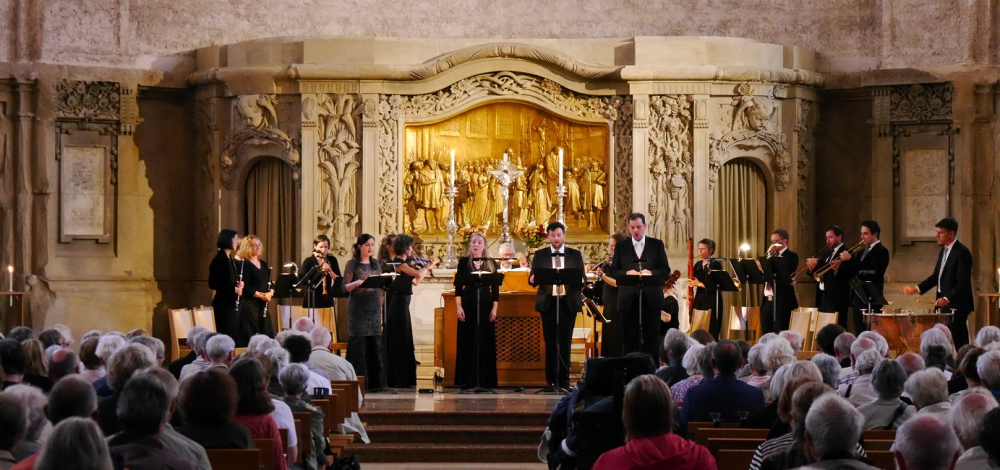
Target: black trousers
557, 355
611, 334
641, 333
771, 323
958, 326
365, 354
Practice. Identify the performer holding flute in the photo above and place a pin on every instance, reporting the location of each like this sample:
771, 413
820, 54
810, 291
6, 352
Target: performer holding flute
224, 279
869, 270
708, 296
256, 292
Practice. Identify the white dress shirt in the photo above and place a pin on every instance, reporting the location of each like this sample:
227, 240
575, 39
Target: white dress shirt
944, 259
639, 245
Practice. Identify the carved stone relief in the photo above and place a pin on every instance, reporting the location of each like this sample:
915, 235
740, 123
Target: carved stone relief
390, 111
623, 158
255, 122
803, 130
206, 129
752, 124
88, 100
921, 102
671, 169
339, 161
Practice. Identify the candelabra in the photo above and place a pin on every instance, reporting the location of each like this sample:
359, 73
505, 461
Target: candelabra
505, 174
561, 194
451, 258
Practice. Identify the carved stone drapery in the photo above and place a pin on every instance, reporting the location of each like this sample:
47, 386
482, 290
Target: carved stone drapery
255, 122
753, 124
339, 161
390, 111
803, 131
671, 168
921, 102
623, 157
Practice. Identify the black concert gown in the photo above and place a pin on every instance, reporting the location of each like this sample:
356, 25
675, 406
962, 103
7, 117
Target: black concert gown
222, 278
465, 357
253, 319
400, 358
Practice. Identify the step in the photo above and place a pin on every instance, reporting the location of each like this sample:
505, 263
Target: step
405, 434
454, 418
443, 453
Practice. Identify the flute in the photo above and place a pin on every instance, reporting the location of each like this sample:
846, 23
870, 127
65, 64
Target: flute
241, 280
268, 289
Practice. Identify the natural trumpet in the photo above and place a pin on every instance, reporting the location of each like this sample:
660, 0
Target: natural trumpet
818, 274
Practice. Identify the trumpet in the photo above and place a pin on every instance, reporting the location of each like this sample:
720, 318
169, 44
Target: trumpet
773, 250
836, 262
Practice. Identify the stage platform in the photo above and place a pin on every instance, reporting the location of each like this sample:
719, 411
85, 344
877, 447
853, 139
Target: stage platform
450, 430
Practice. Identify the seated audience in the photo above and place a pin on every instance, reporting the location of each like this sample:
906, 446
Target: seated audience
957, 382
842, 346
66, 333
675, 344
136, 333
90, 334
107, 347
202, 361
254, 407
697, 361
833, 429
723, 393
776, 353
767, 418
826, 339
75, 444
828, 367
70, 397
336, 368
13, 421
142, 410
253, 344
887, 411
282, 413
859, 346
989, 436
154, 344
880, 342
220, 351
93, 368
34, 401
279, 360
208, 403
13, 362
929, 392
965, 418
64, 362
988, 335
303, 325
968, 368
911, 363
21, 334
52, 337
860, 392
988, 367
36, 372
703, 337
647, 414
744, 372
758, 371
294, 379
794, 339
299, 348
926, 443
807, 389
124, 364
935, 348
173, 441
192, 337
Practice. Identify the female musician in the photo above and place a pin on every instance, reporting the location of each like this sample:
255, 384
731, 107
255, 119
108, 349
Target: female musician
708, 296
477, 309
364, 314
223, 277
401, 359
612, 338
256, 293
320, 295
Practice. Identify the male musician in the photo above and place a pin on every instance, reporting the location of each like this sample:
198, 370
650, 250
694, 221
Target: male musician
834, 291
708, 296
508, 253
327, 269
870, 270
953, 278
557, 326
779, 298
640, 309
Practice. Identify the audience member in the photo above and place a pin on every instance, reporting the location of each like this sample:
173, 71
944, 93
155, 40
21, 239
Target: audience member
929, 392
253, 406
208, 403
911, 363
129, 359
142, 411
279, 360
842, 347
926, 443
703, 337
93, 368
988, 367
136, 333
202, 361
294, 379
173, 441
66, 333
826, 339
833, 429
776, 353
859, 346
887, 411
192, 337
970, 373
21, 334
64, 362
282, 413
647, 415
989, 334
154, 344
723, 393
255, 340
90, 334
965, 418
789, 449
70, 397
304, 325
34, 401
299, 348
745, 370
861, 392
767, 418
957, 382
36, 371
935, 348
675, 344
337, 368
989, 436
75, 444
794, 339
52, 337
13, 362
697, 359
880, 342
220, 350
828, 367
758, 371
107, 347
13, 421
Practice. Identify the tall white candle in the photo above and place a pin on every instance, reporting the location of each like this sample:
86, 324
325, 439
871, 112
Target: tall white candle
10, 275
505, 157
998, 277
560, 167
453, 168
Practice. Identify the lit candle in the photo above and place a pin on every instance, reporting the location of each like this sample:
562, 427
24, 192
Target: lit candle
453, 168
560, 167
10, 271
505, 157
998, 276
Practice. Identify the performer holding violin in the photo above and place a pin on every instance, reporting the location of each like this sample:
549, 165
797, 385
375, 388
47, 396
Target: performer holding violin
401, 361
641, 256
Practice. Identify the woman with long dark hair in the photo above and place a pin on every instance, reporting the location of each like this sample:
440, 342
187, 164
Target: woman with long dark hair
254, 406
401, 359
477, 310
256, 293
223, 278
364, 314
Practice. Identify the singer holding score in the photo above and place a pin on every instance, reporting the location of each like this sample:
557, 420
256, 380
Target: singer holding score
256, 291
223, 278
641, 256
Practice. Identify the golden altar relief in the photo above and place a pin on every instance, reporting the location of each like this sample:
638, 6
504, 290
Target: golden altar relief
532, 138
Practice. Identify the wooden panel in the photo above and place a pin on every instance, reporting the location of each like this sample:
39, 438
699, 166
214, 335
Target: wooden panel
229, 459
266, 447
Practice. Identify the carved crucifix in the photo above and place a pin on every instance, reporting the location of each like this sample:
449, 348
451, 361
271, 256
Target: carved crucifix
505, 174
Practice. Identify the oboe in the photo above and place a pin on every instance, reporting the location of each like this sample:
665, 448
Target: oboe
268, 289
237, 283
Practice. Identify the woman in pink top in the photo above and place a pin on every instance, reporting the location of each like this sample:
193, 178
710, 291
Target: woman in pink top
254, 406
647, 413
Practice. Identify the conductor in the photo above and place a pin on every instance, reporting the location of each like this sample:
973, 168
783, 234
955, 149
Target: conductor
641, 256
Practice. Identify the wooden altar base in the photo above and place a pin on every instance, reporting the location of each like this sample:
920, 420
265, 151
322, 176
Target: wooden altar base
502, 429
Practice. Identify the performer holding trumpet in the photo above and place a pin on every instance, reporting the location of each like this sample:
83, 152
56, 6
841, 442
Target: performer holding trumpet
779, 298
834, 272
870, 268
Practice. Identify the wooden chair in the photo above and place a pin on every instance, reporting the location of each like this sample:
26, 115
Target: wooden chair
805, 355
734, 459
180, 322
879, 435
284, 440
822, 319
234, 459
715, 445
882, 458
204, 316
303, 429
801, 320
266, 447
704, 434
878, 444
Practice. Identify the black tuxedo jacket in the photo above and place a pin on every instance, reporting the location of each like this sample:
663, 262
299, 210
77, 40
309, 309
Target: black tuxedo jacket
786, 290
956, 279
543, 260
836, 293
656, 262
872, 268
705, 298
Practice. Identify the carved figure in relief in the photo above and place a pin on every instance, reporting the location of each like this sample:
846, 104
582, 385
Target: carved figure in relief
657, 212
572, 204
480, 197
680, 211
541, 206
552, 170
409, 196
599, 181
518, 199
257, 111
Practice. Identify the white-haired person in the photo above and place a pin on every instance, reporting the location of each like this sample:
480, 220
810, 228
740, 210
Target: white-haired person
124, 363
758, 371
198, 346
880, 341
842, 348
294, 381
988, 367
303, 325
936, 348
966, 418
75, 444
928, 390
696, 359
34, 401
106, 347
220, 350
887, 411
988, 335
829, 368
675, 344
255, 341
861, 392
859, 346
320, 357
926, 443
833, 429
193, 334
794, 339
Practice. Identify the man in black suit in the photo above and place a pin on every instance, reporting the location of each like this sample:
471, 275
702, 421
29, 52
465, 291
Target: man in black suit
781, 294
869, 271
953, 279
642, 255
708, 296
834, 291
557, 332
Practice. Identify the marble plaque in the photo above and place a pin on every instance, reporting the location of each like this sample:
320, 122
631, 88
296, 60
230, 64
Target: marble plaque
924, 191
82, 194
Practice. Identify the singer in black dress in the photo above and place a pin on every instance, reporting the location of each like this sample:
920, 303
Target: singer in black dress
477, 309
364, 307
256, 292
612, 339
223, 278
400, 358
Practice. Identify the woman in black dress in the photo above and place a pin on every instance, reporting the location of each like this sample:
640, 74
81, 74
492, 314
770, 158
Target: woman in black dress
256, 291
401, 359
612, 339
364, 315
224, 280
477, 310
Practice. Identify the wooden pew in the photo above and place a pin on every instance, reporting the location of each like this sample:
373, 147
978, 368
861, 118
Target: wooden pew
715, 445
303, 429
234, 459
734, 459
694, 426
704, 434
351, 388
879, 434
266, 448
284, 440
882, 458
324, 405
878, 444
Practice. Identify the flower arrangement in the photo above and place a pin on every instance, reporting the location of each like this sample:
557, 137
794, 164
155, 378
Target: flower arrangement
532, 235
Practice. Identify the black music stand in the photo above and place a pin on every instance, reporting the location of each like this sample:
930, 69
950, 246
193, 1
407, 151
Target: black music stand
476, 280
775, 272
381, 282
640, 281
554, 277
868, 293
723, 283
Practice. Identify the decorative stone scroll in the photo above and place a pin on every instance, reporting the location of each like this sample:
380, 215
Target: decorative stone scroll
671, 168
754, 125
921, 102
339, 161
256, 122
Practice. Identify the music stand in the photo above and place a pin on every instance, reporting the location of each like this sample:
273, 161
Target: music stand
477, 279
868, 294
554, 277
723, 283
775, 272
380, 282
641, 281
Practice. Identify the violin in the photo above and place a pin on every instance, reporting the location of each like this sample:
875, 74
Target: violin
669, 283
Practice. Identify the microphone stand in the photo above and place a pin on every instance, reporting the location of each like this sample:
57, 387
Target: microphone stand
479, 318
557, 388
639, 261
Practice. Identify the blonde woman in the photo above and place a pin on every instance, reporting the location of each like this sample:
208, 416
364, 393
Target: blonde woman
256, 291
477, 310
